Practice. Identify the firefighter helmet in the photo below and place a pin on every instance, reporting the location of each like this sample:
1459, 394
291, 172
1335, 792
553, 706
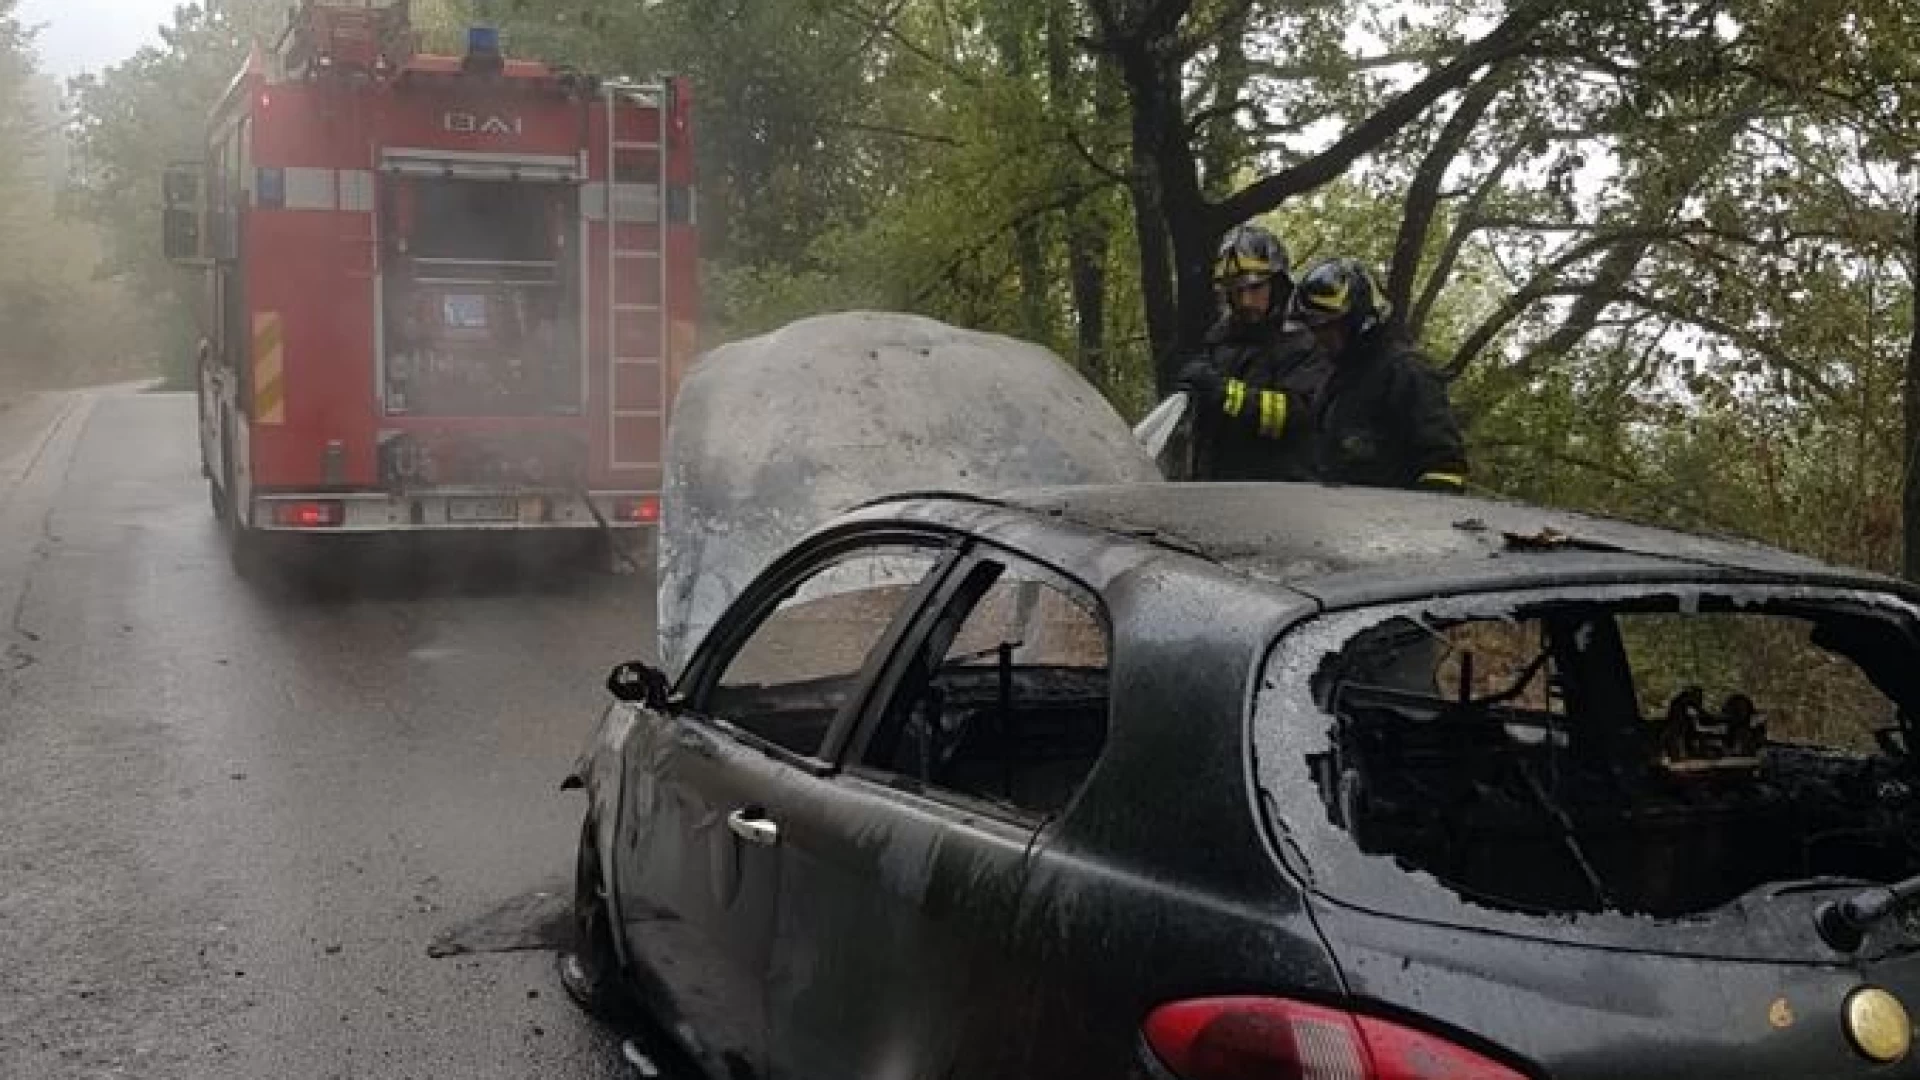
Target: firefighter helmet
1250, 255
1341, 290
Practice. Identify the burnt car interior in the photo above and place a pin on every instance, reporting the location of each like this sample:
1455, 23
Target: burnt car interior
1007, 701
1650, 757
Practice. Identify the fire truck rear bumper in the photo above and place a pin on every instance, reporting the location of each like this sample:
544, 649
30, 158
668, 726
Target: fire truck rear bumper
452, 511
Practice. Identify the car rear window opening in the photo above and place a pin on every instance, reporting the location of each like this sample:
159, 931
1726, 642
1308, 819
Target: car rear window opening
1658, 755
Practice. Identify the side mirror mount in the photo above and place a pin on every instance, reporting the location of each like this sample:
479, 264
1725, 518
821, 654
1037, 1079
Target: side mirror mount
184, 196
640, 684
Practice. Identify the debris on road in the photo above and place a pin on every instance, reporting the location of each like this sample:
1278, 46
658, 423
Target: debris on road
537, 921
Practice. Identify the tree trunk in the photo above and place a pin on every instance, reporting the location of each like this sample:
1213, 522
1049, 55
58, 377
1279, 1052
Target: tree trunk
1029, 244
1156, 107
1910, 437
1029, 254
1088, 239
1177, 228
1157, 294
1224, 145
1172, 219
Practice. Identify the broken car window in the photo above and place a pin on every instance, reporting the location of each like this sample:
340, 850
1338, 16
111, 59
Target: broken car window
1014, 710
1484, 660
1735, 661
1631, 756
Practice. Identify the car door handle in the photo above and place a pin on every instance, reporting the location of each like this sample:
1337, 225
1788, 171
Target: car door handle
748, 825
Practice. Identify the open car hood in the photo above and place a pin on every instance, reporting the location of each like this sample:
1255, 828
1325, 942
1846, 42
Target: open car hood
774, 436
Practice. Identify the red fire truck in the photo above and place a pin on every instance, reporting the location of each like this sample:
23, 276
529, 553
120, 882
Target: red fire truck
444, 292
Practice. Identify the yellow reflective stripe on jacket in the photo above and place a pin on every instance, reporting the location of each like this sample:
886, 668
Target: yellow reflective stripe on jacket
1236, 400
1447, 478
1273, 413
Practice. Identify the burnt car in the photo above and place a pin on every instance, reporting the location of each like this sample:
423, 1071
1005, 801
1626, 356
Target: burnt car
1226, 781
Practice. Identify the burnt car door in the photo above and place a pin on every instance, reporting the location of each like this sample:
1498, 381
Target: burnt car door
698, 863
901, 875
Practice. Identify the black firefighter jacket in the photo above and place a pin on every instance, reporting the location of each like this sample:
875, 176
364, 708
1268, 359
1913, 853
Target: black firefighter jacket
1378, 417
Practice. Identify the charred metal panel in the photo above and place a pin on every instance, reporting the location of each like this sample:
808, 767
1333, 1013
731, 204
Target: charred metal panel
1575, 1013
1159, 882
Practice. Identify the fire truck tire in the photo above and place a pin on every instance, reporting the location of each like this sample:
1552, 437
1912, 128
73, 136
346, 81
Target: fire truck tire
246, 550
217, 491
246, 547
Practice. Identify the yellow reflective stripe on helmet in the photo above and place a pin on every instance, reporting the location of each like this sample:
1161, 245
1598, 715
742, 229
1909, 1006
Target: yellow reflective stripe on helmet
1335, 300
1236, 399
1273, 413
1447, 478
1235, 265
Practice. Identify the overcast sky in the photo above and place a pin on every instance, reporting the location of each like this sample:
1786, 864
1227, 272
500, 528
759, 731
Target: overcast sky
87, 35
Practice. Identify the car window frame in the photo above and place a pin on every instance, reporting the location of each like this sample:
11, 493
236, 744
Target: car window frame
750, 611
888, 681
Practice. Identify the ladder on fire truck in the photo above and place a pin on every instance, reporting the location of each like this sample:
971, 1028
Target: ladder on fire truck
623, 262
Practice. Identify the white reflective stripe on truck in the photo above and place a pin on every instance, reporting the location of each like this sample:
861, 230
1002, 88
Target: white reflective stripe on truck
466, 165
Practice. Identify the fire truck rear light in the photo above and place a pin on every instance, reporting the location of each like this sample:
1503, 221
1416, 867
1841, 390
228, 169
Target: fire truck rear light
325, 514
638, 511
1247, 1038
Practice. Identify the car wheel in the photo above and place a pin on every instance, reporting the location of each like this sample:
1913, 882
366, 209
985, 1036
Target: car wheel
590, 967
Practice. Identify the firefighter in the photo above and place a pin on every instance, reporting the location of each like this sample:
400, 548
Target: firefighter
1382, 417
1252, 383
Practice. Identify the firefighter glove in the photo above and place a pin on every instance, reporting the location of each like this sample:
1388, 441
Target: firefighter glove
1201, 379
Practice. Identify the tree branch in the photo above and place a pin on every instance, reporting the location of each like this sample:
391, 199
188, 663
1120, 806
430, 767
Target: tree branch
1463, 228
884, 25
1423, 192
1234, 14
1544, 284
1351, 65
1093, 160
884, 129
1694, 316
1560, 457
1025, 217
1509, 38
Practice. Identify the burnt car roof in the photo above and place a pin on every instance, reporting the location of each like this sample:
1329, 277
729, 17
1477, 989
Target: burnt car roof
1299, 534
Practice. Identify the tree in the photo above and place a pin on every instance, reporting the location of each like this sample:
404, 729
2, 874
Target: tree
133, 120
1667, 249
1177, 225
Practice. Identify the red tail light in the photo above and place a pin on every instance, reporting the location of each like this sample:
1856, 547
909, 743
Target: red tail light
309, 515
638, 511
1247, 1038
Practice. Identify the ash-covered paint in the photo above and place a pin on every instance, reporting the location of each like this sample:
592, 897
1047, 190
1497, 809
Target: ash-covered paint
775, 435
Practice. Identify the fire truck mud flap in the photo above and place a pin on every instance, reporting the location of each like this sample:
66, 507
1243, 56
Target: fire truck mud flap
775, 435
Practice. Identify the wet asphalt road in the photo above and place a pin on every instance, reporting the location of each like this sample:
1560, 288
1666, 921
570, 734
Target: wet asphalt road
231, 823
